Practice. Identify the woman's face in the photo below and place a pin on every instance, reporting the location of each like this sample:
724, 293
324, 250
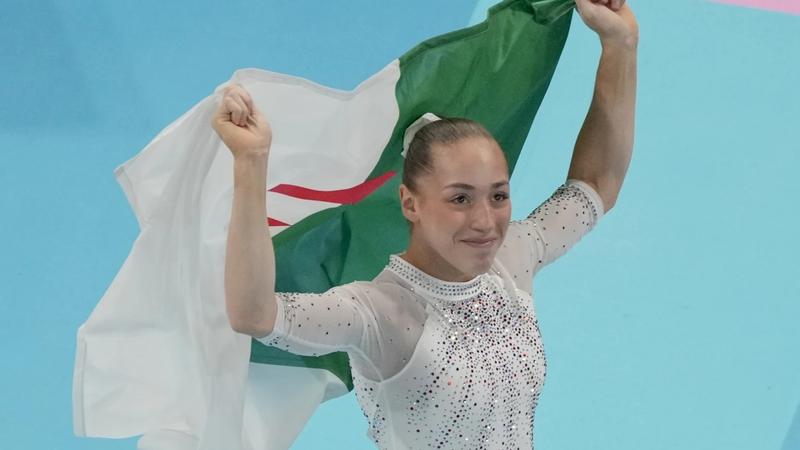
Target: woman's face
462, 209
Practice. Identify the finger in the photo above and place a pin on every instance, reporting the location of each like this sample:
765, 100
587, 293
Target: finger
234, 109
248, 100
248, 105
251, 107
252, 121
227, 107
238, 93
241, 108
245, 110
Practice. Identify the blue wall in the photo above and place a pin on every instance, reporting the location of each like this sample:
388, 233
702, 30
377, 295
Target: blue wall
674, 324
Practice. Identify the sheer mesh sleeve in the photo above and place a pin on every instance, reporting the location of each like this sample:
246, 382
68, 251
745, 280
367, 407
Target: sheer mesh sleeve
549, 231
312, 324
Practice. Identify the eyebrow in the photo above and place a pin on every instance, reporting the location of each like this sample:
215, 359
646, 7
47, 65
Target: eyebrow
471, 187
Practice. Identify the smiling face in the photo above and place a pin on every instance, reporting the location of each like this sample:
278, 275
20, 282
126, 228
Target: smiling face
461, 210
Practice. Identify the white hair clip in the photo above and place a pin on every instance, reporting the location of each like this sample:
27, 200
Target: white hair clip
414, 127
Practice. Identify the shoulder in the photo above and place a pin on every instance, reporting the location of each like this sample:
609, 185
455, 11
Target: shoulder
384, 295
396, 292
379, 286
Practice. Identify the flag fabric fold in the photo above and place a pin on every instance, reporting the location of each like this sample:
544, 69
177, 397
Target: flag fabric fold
157, 356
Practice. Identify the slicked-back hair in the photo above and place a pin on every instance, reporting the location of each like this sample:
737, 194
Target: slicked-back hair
419, 157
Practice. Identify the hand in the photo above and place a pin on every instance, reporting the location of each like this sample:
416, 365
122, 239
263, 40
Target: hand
239, 124
612, 20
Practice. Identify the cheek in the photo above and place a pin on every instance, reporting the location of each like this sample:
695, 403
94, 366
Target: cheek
507, 210
446, 224
503, 218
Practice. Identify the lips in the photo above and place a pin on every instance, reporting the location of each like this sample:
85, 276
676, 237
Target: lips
479, 242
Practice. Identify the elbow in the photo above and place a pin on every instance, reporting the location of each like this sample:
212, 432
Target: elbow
238, 325
251, 329
608, 190
256, 324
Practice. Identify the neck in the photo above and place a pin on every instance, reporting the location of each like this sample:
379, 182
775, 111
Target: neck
428, 261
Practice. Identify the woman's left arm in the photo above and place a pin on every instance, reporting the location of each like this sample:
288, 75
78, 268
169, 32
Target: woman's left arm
605, 142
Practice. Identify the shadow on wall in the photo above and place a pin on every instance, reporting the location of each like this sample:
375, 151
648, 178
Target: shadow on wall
792, 441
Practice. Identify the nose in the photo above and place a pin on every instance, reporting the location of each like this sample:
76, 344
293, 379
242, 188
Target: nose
482, 217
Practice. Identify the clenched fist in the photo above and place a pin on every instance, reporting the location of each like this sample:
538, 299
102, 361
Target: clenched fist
239, 124
612, 20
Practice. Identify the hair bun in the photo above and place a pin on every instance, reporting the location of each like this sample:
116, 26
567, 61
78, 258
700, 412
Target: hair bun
412, 129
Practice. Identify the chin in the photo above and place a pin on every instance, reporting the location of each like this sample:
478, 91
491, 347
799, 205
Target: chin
483, 263
486, 266
474, 263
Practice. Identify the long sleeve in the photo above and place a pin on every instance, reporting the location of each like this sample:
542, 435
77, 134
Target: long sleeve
312, 324
549, 231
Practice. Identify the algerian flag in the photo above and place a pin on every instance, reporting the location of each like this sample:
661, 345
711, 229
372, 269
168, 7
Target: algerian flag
157, 355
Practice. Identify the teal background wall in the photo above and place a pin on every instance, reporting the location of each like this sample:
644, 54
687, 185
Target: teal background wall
674, 324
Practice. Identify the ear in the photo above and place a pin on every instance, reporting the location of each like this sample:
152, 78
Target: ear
408, 204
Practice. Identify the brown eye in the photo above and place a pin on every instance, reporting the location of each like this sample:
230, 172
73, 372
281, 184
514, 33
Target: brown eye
460, 197
501, 196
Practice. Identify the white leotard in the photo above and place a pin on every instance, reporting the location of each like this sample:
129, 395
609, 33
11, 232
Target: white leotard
438, 364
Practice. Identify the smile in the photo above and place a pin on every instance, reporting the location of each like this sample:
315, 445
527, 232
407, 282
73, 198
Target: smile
480, 244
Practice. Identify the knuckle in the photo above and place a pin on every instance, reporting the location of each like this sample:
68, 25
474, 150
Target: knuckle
234, 90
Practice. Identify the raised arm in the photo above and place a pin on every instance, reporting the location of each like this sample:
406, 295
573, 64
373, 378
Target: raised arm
250, 258
605, 142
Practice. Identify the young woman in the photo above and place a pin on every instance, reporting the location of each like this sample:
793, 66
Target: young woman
444, 343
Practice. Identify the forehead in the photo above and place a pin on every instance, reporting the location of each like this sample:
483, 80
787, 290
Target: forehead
475, 161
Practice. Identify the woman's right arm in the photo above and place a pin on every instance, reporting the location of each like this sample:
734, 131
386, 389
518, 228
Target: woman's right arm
250, 258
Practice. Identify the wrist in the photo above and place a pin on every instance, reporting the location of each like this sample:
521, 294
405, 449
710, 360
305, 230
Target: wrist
249, 165
251, 157
626, 43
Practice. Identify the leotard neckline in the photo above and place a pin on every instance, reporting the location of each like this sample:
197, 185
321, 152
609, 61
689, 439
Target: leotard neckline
436, 287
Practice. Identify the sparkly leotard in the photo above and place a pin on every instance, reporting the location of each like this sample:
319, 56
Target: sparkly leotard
438, 364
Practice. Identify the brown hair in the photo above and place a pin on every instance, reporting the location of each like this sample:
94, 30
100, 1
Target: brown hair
419, 157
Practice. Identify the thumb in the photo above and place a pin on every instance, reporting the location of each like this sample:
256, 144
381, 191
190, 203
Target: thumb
220, 111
